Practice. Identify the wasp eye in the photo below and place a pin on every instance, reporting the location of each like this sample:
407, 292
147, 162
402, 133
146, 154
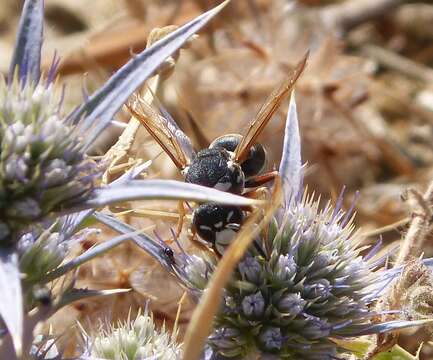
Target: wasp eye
255, 162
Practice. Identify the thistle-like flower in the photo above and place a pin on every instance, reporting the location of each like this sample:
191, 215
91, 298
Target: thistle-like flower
43, 164
301, 285
137, 339
41, 254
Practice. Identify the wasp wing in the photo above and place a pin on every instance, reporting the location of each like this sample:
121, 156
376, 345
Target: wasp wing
267, 110
165, 132
182, 138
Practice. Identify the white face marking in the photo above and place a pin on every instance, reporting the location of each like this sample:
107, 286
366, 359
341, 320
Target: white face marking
229, 216
204, 227
223, 239
223, 186
233, 226
219, 225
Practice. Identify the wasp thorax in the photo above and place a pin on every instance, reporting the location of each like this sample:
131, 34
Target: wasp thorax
215, 168
255, 160
217, 224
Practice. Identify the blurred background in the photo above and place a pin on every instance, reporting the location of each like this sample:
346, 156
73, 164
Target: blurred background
365, 104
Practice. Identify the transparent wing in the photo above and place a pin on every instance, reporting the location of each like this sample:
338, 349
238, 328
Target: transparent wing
182, 138
165, 132
267, 110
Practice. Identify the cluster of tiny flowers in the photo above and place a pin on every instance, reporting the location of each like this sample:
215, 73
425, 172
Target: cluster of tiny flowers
134, 340
303, 283
42, 165
41, 254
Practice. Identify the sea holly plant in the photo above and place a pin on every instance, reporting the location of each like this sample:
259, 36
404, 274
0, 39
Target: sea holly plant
48, 183
304, 290
132, 339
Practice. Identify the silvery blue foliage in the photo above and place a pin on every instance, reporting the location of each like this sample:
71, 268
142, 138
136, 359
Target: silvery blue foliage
301, 284
45, 172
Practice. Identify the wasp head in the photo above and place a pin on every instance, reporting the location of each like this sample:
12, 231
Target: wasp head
217, 224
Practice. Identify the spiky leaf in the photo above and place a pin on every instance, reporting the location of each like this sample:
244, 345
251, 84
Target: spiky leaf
11, 302
27, 52
163, 189
291, 166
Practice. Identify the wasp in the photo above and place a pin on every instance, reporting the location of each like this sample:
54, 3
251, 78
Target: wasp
232, 163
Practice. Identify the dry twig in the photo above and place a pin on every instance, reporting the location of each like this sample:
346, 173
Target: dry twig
349, 14
419, 227
399, 63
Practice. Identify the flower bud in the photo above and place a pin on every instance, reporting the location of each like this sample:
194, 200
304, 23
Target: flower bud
253, 305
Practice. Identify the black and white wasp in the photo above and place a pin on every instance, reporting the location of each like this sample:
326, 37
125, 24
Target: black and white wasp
232, 163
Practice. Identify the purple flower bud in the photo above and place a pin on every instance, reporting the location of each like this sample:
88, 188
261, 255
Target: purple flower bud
27, 208
271, 339
253, 305
291, 304
285, 268
16, 167
225, 338
315, 328
319, 289
250, 269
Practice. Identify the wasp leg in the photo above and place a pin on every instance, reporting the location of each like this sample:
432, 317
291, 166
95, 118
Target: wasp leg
259, 193
192, 236
182, 214
259, 180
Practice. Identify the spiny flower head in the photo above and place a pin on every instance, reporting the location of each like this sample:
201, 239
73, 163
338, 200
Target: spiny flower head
43, 250
298, 287
39, 255
137, 339
43, 167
